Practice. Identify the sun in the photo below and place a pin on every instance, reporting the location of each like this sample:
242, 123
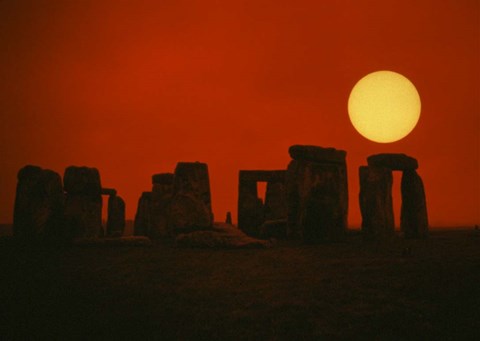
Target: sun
384, 106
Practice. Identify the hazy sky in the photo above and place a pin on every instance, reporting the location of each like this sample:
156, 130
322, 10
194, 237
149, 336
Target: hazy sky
133, 87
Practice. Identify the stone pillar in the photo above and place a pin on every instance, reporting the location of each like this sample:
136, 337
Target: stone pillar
83, 208
250, 206
228, 219
161, 197
376, 202
275, 201
190, 208
413, 218
116, 216
141, 226
317, 193
39, 205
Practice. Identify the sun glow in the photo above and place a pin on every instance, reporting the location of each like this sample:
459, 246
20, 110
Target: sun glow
384, 106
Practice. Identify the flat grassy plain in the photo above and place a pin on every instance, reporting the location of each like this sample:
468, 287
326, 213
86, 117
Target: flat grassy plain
401, 289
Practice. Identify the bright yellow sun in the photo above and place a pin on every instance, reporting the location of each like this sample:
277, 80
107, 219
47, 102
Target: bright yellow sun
384, 106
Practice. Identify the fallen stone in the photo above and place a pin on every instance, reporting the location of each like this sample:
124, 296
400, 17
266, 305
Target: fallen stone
122, 241
222, 236
393, 161
317, 154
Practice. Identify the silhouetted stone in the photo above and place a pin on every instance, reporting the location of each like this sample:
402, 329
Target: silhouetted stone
228, 219
39, 205
188, 213
162, 194
393, 161
108, 191
141, 225
83, 207
275, 201
413, 218
376, 202
116, 216
252, 212
317, 154
317, 195
163, 178
274, 229
82, 180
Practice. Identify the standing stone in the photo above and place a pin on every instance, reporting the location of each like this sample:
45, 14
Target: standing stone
83, 207
190, 208
376, 202
116, 216
39, 205
228, 219
250, 206
413, 218
161, 197
317, 194
141, 225
275, 201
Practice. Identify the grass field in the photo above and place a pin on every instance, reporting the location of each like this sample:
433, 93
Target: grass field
352, 290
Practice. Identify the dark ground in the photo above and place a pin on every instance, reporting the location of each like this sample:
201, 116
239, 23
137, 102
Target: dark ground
351, 290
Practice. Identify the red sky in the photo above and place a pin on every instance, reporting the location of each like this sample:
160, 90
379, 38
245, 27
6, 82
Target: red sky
133, 87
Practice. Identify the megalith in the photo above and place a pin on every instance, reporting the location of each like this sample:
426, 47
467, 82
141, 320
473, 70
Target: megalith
317, 193
116, 216
376, 202
413, 218
252, 211
39, 205
161, 197
141, 225
83, 206
375, 197
190, 208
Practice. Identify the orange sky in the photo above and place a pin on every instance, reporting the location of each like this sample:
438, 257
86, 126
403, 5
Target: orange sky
132, 87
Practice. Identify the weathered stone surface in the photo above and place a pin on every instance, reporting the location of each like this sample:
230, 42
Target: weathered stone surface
163, 178
228, 219
317, 196
116, 216
192, 178
317, 154
39, 205
413, 218
161, 197
252, 212
274, 229
393, 161
376, 202
82, 180
108, 191
275, 201
83, 206
83, 216
141, 226
222, 236
186, 213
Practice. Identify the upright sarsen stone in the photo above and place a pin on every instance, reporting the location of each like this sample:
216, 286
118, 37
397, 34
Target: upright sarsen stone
39, 205
116, 216
376, 202
83, 207
317, 193
413, 218
141, 226
161, 197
